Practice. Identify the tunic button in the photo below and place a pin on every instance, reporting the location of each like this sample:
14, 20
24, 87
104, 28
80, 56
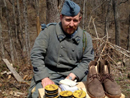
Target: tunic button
73, 50
61, 47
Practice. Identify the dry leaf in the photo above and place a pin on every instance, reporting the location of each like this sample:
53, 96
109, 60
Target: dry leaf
9, 76
0, 84
25, 77
11, 92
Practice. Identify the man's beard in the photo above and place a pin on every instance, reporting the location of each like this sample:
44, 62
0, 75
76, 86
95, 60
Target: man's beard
70, 30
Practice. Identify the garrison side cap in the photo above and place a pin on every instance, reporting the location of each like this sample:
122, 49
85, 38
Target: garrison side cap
70, 8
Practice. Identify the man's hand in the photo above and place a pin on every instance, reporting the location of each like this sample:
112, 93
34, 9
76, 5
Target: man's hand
72, 75
46, 81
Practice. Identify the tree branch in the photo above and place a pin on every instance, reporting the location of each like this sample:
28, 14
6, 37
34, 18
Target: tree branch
123, 2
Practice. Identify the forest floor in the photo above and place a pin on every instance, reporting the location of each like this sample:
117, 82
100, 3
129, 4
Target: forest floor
10, 88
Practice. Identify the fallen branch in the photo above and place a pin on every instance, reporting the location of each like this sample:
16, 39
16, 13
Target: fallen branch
115, 47
16, 75
112, 60
120, 49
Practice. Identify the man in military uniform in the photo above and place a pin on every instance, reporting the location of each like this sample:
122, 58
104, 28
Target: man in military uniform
58, 50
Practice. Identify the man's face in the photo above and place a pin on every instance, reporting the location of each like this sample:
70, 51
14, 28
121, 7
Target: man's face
69, 23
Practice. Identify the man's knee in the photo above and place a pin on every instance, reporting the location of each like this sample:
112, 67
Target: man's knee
33, 91
84, 78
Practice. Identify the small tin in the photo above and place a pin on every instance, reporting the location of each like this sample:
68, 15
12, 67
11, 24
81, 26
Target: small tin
51, 89
52, 97
79, 94
66, 94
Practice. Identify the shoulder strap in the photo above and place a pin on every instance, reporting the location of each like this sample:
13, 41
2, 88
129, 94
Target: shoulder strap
43, 26
84, 40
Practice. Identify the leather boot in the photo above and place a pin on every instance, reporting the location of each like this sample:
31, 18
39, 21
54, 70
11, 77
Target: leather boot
94, 86
111, 88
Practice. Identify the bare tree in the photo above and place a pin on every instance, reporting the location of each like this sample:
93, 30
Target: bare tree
1, 39
27, 40
20, 33
128, 38
107, 17
38, 19
117, 23
9, 33
60, 4
52, 11
16, 35
14, 17
84, 13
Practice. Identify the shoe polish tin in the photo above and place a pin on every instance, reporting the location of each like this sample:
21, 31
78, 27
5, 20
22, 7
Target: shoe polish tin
79, 94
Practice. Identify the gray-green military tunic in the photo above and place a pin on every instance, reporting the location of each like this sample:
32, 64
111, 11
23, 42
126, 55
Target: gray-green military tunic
55, 55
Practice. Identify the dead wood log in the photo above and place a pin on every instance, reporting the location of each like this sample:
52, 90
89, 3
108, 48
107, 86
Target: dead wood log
16, 75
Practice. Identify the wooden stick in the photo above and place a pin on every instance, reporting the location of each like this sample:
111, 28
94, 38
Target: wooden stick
16, 75
95, 28
38, 25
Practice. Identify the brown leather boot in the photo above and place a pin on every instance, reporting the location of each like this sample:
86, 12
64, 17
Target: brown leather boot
111, 88
94, 86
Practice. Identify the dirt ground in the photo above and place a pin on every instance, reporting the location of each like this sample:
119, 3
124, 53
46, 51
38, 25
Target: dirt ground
10, 88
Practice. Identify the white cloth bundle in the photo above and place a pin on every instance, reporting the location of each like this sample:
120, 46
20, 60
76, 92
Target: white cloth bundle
68, 84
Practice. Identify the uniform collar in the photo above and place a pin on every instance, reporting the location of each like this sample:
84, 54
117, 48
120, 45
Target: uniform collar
61, 36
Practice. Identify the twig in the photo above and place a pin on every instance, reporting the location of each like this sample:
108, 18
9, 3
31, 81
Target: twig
112, 60
100, 46
123, 2
102, 52
89, 22
95, 28
96, 38
104, 36
107, 33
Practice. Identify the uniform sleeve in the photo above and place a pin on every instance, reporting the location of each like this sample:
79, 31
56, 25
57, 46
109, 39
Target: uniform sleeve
88, 55
38, 53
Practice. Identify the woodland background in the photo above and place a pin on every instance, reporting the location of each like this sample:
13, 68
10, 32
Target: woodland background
108, 22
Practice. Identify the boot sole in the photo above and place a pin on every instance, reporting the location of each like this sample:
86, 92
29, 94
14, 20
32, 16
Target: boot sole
113, 96
94, 96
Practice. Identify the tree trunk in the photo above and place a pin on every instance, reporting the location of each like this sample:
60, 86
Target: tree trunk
84, 13
16, 35
107, 18
60, 4
38, 19
117, 23
20, 32
14, 17
26, 32
53, 14
9, 34
1, 39
128, 38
